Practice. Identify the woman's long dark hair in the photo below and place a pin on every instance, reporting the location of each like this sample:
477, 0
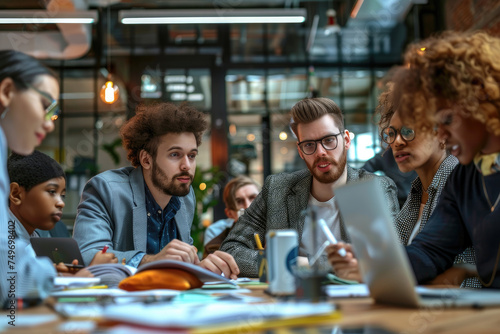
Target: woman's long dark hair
21, 68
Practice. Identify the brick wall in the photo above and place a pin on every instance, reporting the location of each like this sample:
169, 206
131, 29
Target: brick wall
462, 15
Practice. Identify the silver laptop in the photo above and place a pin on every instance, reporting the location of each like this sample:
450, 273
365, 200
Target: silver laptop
383, 261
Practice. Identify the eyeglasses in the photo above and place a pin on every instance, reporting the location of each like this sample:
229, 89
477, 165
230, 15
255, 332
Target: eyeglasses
329, 143
52, 112
389, 134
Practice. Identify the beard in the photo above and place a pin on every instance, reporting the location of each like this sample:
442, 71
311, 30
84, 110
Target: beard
169, 187
335, 172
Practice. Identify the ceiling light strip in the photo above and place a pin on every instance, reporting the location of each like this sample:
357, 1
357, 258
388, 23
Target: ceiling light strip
213, 20
38, 20
47, 17
211, 16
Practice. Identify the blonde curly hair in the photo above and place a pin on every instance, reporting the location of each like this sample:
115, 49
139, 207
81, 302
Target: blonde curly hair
453, 69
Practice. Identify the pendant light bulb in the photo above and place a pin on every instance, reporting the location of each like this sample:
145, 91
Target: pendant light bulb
109, 92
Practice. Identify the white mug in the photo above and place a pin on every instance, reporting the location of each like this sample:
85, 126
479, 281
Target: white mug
282, 248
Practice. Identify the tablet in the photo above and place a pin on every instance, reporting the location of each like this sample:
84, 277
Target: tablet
57, 249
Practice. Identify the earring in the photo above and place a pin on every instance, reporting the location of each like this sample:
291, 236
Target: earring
442, 145
2, 116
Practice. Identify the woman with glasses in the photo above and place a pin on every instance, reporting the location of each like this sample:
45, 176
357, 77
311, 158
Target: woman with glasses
425, 154
452, 83
28, 108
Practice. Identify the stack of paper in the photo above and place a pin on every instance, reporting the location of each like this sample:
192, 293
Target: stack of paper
347, 291
217, 313
71, 282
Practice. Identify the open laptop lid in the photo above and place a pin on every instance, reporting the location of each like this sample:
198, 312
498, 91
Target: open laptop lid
57, 249
383, 262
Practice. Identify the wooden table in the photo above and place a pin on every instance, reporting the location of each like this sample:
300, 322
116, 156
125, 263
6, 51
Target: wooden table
402, 320
358, 312
361, 312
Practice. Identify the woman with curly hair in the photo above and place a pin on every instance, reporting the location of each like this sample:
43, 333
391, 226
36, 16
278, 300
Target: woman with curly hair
419, 151
458, 81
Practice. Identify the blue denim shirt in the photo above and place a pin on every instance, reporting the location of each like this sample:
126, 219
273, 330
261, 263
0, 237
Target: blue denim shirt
161, 225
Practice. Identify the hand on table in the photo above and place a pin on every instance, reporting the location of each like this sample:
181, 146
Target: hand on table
64, 270
100, 258
175, 250
345, 267
220, 262
455, 275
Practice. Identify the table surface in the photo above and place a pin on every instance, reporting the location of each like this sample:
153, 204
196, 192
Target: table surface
361, 312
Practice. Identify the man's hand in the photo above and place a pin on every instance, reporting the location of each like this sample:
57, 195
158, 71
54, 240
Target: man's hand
175, 250
221, 262
345, 267
101, 257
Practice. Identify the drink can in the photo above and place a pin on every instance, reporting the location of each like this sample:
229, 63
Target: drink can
282, 249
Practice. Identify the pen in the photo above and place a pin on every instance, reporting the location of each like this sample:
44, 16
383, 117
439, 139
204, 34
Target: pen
330, 236
257, 241
105, 249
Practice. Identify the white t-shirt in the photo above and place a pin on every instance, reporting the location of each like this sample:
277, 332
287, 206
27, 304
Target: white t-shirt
417, 225
324, 210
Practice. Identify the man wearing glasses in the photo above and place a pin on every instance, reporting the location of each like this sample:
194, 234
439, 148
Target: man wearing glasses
322, 143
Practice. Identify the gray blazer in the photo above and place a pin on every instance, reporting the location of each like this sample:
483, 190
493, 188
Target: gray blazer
112, 212
279, 206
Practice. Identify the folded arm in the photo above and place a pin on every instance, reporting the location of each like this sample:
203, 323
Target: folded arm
442, 239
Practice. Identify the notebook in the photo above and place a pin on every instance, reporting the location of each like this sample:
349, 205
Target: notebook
57, 249
112, 274
383, 261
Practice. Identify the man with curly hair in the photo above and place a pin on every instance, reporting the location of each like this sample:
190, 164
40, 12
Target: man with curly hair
456, 90
144, 213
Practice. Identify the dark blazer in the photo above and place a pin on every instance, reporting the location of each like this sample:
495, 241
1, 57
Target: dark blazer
462, 218
407, 218
279, 206
112, 212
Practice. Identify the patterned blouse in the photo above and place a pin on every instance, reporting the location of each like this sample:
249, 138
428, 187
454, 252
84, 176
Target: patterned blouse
408, 216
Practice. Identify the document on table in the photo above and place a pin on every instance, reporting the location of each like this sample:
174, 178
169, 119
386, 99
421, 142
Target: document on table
114, 293
34, 320
90, 303
197, 315
348, 290
67, 282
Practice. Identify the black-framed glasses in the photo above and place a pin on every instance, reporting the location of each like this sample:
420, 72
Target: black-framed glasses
329, 143
389, 134
52, 111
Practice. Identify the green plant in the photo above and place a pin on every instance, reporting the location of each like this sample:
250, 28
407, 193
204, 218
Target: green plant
203, 183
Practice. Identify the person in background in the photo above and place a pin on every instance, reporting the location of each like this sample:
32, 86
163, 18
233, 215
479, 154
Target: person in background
455, 88
323, 142
36, 199
238, 194
144, 213
425, 154
28, 108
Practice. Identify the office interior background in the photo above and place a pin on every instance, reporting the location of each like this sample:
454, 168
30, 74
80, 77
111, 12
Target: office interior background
244, 76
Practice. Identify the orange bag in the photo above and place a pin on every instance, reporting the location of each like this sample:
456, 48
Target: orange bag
174, 279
